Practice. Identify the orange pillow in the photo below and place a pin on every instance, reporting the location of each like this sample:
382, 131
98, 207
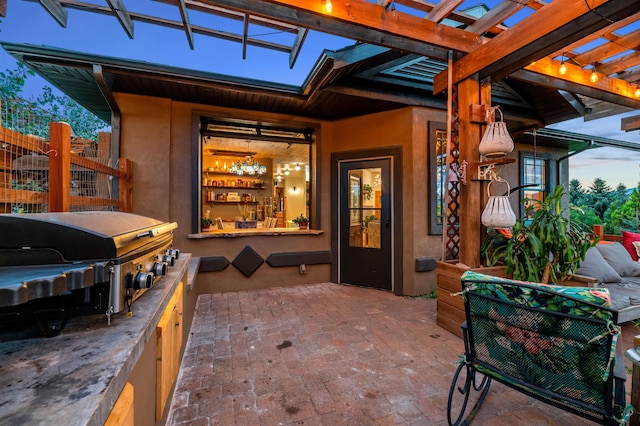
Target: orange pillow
627, 241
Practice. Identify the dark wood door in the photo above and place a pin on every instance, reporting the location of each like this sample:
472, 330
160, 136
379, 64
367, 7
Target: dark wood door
365, 231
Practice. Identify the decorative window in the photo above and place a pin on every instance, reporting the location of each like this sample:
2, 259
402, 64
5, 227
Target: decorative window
438, 165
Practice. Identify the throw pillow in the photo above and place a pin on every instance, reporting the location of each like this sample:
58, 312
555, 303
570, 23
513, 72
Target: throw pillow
618, 258
627, 241
636, 245
596, 267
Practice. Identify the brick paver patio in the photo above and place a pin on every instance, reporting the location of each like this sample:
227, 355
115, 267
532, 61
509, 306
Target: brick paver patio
328, 354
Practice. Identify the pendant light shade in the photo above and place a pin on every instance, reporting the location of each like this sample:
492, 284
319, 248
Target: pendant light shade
496, 141
498, 212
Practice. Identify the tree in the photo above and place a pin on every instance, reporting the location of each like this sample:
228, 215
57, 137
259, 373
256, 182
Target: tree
577, 194
600, 196
622, 215
45, 108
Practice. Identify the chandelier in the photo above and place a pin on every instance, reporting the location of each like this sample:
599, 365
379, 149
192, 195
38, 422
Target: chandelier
248, 167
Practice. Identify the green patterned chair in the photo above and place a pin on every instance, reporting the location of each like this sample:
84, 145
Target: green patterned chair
556, 344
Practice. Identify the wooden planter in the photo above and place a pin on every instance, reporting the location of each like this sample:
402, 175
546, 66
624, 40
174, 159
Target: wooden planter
450, 312
451, 308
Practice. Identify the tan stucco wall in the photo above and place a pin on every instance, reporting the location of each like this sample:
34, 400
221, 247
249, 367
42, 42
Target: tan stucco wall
158, 136
407, 128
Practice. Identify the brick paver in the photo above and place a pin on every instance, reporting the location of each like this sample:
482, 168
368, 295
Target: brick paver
328, 354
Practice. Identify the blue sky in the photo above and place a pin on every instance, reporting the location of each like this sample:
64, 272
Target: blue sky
28, 22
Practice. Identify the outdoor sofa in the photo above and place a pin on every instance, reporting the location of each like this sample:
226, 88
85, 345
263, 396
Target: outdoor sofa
613, 263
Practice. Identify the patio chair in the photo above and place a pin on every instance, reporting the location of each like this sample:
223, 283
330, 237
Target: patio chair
556, 344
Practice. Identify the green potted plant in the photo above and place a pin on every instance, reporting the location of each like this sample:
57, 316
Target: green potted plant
206, 223
545, 248
302, 221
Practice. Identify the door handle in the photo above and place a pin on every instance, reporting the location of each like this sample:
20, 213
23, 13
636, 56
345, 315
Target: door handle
386, 222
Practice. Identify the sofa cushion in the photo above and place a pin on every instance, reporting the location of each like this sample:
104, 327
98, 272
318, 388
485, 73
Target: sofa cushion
618, 258
594, 265
627, 241
620, 295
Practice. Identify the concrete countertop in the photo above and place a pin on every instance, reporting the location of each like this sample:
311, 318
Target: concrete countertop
76, 377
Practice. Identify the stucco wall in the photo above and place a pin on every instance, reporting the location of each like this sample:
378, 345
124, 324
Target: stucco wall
159, 137
407, 128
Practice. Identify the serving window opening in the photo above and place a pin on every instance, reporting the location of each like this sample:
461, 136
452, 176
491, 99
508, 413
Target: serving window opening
253, 176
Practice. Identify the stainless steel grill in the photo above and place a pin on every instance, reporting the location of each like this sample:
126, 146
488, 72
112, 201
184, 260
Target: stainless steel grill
57, 265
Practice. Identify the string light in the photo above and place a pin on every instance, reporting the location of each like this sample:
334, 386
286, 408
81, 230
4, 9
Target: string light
563, 67
328, 6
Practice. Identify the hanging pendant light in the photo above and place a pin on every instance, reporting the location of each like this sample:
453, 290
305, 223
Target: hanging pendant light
498, 212
496, 141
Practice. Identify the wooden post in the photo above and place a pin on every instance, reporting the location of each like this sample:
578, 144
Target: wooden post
470, 194
59, 167
125, 185
635, 387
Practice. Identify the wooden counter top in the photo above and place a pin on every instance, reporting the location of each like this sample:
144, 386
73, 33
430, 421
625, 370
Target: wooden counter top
75, 378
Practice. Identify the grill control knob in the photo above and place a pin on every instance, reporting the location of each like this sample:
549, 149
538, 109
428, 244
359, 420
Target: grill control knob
143, 280
169, 259
173, 252
160, 268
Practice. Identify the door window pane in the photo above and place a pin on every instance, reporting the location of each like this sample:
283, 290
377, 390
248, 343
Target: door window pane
365, 205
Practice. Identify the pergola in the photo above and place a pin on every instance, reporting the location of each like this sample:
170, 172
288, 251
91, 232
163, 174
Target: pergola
586, 50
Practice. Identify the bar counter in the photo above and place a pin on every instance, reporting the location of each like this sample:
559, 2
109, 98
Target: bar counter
76, 377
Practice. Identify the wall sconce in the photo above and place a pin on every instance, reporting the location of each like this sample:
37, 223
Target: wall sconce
327, 6
294, 190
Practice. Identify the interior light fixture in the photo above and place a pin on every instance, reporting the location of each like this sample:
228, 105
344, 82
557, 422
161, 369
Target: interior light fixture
594, 76
297, 167
286, 172
327, 6
637, 91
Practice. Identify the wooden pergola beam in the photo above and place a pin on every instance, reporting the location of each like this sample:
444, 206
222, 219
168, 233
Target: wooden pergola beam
629, 124
184, 15
118, 8
553, 26
546, 72
56, 11
365, 22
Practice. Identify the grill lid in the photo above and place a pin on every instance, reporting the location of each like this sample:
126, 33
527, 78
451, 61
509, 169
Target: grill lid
83, 235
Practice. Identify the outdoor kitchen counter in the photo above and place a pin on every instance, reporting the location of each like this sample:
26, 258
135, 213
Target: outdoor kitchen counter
76, 377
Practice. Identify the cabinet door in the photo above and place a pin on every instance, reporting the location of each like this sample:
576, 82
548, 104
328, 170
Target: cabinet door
169, 335
122, 412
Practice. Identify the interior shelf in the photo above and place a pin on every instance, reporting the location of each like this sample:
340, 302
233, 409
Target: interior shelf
233, 187
233, 202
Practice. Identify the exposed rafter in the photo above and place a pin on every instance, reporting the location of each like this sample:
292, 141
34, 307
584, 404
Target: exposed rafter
367, 22
630, 123
56, 11
117, 6
186, 23
556, 24
546, 72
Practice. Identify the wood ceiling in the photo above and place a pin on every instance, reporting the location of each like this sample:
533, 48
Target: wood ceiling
583, 36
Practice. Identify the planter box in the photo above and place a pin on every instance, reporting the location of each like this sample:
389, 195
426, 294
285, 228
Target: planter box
245, 224
450, 311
